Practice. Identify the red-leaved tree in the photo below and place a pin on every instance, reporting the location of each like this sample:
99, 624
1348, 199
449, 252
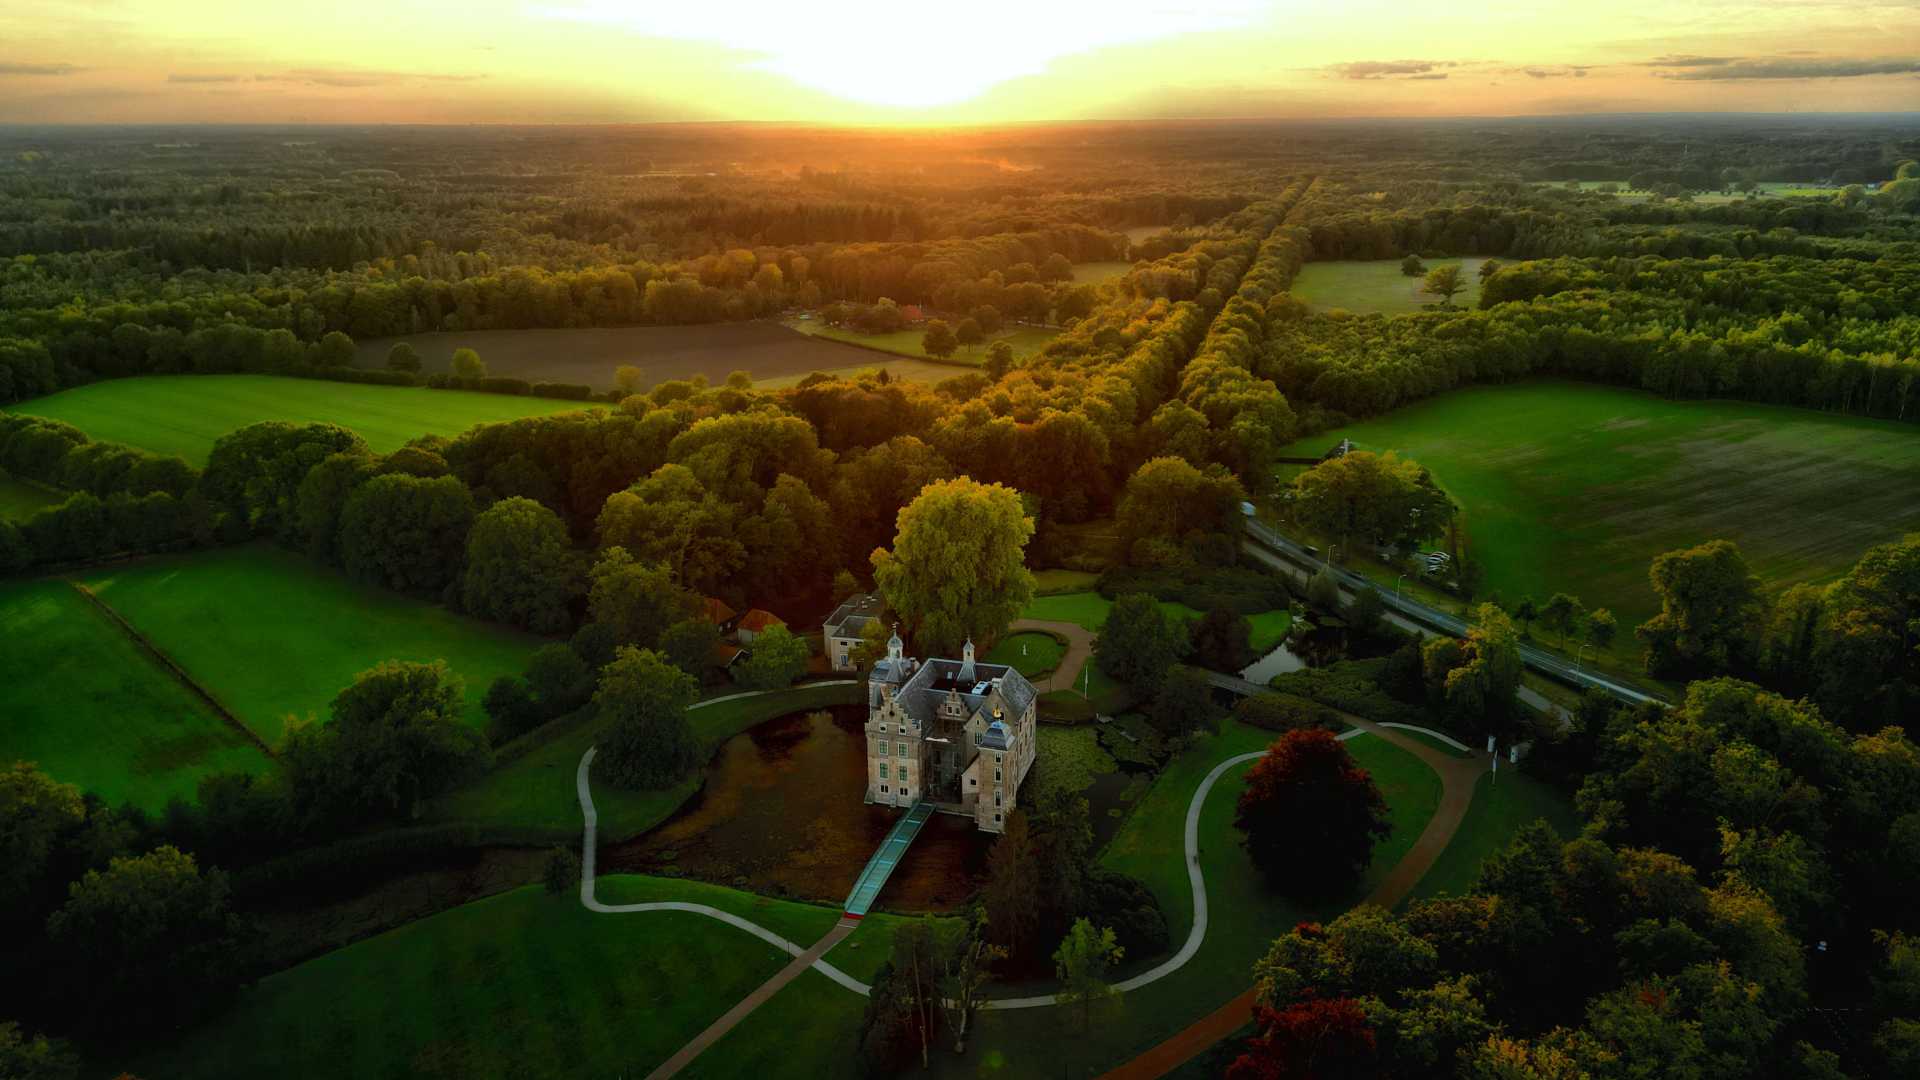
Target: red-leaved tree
1311, 815
1317, 1039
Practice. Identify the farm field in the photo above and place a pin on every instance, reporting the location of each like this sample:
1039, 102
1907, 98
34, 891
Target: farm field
1376, 286
20, 500
1572, 487
1025, 341
185, 414
272, 635
526, 984
84, 701
1094, 273
763, 349
1244, 915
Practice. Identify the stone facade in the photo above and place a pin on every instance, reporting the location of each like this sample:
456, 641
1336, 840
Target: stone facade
957, 733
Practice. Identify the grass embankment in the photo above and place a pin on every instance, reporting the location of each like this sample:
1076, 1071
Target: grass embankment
1572, 487
1031, 653
184, 414
1502, 806
536, 789
1025, 340
1244, 915
1369, 286
272, 635
20, 500
79, 697
526, 984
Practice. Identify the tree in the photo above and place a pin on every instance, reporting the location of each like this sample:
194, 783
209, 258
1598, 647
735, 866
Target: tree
1600, 629
1563, 613
562, 872
561, 680
1710, 607
146, 942
402, 357
939, 341
37, 1057
405, 532
1488, 269
989, 318
1411, 266
689, 643
629, 379
968, 333
1184, 703
999, 360
775, 659
1323, 592
35, 812
1170, 500
1325, 1039
1311, 815
1527, 610
335, 350
1139, 642
520, 567
1011, 897
957, 571
643, 701
964, 960
511, 709
1444, 282
1479, 676
396, 740
637, 601
1371, 497
468, 365
1223, 640
1081, 963
1367, 612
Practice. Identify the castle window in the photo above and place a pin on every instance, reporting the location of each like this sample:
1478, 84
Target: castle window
996, 776
996, 819
883, 770
899, 749
996, 800
973, 781
883, 789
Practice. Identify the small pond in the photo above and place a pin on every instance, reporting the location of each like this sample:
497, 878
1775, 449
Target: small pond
1319, 647
781, 813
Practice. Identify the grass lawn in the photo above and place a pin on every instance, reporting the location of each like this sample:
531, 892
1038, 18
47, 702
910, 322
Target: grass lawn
1367, 286
79, 697
1270, 629
1244, 915
1030, 653
20, 500
1088, 609
184, 414
1501, 807
1026, 340
271, 634
1053, 582
1094, 273
520, 984
1572, 487
535, 791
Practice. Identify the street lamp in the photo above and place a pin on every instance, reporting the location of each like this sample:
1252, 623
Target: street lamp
1579, 656
1396, 585
1331, 550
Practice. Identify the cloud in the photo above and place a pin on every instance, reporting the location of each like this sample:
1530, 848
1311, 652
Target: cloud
351, 78
178, 78
1389, 69
1799, 69
1561, 71
1429, 75
1686, 61
12, 67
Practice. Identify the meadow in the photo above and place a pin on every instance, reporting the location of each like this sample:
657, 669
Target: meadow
763, 349
1025, 341
20, 500
1094, 273
271, 635
1571, 487
527, 984
185, 414
1370, 286
94, 710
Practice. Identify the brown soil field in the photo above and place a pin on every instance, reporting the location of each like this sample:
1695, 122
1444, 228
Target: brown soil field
762, 349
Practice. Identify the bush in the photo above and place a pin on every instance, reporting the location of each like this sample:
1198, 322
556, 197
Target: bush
1128, 906
1284, 712
562, 391
562, 870
1243, 590
511, 708
1353, 686
369, 376
502, 384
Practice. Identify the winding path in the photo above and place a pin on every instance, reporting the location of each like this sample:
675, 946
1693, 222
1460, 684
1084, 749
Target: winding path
1079, 645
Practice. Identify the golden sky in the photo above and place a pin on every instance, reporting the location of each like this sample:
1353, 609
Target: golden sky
964, 61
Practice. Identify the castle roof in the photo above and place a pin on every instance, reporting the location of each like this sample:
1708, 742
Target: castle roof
933, 680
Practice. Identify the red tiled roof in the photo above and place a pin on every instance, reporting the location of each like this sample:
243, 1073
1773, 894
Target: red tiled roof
757, 620
718, 611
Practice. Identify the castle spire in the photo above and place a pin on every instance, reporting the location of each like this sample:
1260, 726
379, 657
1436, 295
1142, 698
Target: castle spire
966, 662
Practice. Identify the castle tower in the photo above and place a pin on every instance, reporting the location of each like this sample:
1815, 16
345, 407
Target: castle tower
966, 663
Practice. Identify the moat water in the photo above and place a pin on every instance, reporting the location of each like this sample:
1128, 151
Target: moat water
781, 813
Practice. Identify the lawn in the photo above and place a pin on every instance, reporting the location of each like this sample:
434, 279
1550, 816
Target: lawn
1367, 286
1025, 340
94, 710
1055, 581
536, 791
1502, 806
20, 500
1572, 487
1244, 915
522, 984
1088, 609
1032, 654
1269, 629
1094, 273
272, 635
184, 414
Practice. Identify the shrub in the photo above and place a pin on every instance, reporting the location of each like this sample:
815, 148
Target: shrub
1284, 712
1128, 906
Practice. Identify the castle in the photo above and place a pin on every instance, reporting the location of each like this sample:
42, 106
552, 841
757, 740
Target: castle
956, 733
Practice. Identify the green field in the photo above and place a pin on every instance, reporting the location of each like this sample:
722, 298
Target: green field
184, 414
79, 697
1244, 915
1269, 630
1502, 806
1368, 286
271, 634
1572, 487
20, 500
1089, 609
529, 985
1094, 273
1025, 340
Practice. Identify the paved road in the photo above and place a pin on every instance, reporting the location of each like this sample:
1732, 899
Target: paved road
1079, 648
1277, 550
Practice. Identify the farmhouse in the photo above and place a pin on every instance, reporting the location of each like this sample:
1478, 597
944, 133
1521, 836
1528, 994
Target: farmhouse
955, 733
754, 623
840, 633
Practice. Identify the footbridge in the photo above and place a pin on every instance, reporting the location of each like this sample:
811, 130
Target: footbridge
879, 868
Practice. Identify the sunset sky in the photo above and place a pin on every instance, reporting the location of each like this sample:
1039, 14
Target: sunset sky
982, 61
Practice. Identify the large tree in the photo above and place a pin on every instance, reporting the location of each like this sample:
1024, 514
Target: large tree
1478, 678
957, 570
1012, 897
637, 601
1311, 815
36, 811
1169, 499
1444, 282
406, 532
1139, 642
1081, 963
776, 658
643, 701
1710, 611
520, 567
1365, 497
